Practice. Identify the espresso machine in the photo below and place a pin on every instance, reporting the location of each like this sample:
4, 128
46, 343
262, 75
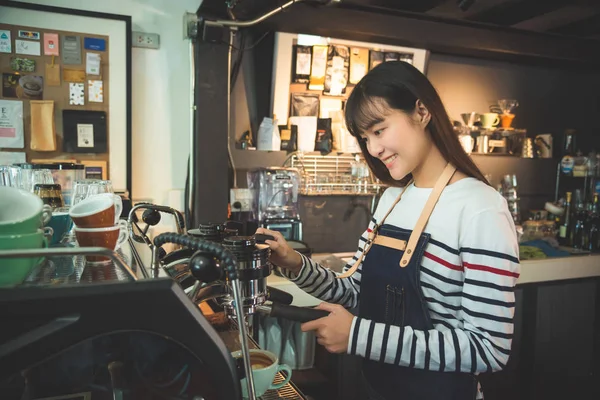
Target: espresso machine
275, 200
233, 274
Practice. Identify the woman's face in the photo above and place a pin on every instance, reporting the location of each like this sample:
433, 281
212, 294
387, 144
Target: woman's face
399, 140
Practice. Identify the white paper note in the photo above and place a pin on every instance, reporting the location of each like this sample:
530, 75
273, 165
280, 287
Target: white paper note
76, 94
95, 92
5, 43
85, 135
307, 132
12, 157
11, 124
92, 64
327, 105
27, 47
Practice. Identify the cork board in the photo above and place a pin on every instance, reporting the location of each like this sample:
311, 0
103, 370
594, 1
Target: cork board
59, 93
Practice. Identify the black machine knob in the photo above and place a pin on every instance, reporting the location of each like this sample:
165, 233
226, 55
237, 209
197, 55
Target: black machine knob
151, 217
205, 267
240, 243
237, 205
260, 238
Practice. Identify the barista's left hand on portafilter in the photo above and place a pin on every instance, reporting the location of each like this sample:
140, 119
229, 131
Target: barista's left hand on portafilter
282, 254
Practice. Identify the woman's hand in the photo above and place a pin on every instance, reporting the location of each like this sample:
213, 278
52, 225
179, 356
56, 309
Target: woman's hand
333, 331
282, 254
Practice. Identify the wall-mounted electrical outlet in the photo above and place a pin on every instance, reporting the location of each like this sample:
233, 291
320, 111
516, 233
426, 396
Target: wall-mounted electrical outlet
145, 40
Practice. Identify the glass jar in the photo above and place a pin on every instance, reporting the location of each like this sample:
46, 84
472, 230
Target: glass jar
51, 194
533, 230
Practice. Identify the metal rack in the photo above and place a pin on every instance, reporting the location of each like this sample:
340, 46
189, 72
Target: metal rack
332, 174
64, 266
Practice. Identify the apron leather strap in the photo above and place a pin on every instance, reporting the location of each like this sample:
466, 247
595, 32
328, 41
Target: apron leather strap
409, 247
372, 236
426, 213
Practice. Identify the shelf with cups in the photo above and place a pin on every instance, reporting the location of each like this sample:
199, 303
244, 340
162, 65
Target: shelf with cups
493, 141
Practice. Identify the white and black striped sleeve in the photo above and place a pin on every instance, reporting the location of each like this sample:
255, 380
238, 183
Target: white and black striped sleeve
481, 339
322, 283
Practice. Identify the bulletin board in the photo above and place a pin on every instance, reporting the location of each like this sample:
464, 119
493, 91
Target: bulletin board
313, 77
73, 87
97, 123
284, 60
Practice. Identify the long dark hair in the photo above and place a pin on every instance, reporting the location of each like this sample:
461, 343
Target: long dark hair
400, 85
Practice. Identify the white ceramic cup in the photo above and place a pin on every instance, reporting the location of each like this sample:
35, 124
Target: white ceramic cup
21, 211
97, 211
264, 375
489, 120
111, 238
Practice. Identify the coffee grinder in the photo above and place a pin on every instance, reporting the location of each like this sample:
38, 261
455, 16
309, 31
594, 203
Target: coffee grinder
275, 200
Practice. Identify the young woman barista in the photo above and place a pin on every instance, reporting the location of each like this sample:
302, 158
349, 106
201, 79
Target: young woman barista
434, 274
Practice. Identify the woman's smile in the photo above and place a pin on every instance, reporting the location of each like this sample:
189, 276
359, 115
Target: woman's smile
389, 161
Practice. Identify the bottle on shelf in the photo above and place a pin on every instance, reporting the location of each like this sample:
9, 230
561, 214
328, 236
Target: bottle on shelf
567, 161
593, 232
580, 215
564, 231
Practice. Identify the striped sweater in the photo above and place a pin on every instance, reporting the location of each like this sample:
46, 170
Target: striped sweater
468, 275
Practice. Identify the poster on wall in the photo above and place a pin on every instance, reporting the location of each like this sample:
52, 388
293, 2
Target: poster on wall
11, 124
29, 35
51, 44
9, 85
71, 49
27, 47
12, 157
5, 43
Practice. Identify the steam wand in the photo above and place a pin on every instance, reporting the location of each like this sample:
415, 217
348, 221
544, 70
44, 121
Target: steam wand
151, 217
229, 264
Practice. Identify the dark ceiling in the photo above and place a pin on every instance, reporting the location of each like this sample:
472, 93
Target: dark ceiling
578, 18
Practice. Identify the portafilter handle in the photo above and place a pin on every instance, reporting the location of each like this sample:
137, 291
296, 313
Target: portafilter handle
292, 313
279, 296
229, 264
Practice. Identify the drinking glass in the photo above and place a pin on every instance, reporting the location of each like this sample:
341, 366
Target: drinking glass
40, 177
84, 188
4, 176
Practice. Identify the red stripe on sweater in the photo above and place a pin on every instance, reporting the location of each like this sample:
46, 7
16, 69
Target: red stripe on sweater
443, 262
490, 269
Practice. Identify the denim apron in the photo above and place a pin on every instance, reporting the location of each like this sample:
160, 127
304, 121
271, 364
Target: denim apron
390, 293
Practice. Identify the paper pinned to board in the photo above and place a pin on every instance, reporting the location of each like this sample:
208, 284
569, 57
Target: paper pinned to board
11, 124
12, 157
95, 92
76, 94
51, 44
71, 49
27, 47
5, 41
328, 105
85, 135
92, 64
73, 75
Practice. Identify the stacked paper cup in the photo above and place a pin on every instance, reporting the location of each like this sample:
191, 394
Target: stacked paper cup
97, 224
